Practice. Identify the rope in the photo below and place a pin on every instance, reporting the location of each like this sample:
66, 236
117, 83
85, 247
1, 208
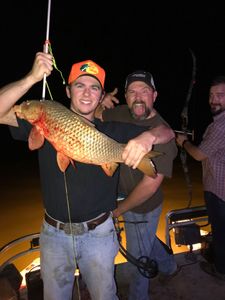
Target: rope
57, 69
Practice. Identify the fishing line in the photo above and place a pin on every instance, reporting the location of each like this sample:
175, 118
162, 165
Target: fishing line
77, 272
54, 63
47, 48
57, 69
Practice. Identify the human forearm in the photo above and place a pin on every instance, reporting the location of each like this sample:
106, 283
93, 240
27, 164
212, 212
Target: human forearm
191, 149
12, 92
194, 151
162, 133
137, 147
144, 190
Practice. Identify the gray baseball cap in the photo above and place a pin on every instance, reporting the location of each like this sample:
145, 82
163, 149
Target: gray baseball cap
140, 75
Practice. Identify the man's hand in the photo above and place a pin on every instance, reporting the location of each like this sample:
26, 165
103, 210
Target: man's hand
43, 64
12, 92
110, 100
137, 148
116, 213
143, 191
180, 138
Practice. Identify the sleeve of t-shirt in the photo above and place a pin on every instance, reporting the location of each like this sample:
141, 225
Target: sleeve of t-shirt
21, 132
164, 162
119, 131
115, 114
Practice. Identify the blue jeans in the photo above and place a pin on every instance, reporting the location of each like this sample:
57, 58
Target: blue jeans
216, 213
142, 241
94, 252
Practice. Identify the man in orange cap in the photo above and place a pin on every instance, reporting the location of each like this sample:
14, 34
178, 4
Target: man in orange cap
77, 229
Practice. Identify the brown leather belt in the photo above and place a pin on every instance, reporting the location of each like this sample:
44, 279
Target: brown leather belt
77, 228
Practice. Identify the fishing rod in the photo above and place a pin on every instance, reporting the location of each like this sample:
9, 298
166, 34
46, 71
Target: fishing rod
46, 47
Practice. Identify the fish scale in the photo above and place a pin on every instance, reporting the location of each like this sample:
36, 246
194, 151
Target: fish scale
83, 144
74, 138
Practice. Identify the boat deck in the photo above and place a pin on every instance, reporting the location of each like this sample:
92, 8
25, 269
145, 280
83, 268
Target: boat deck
22, 212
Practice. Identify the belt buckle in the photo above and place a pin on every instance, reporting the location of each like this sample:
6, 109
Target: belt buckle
76, 228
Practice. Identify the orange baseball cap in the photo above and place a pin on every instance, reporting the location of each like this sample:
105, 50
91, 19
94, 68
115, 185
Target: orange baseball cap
87, 67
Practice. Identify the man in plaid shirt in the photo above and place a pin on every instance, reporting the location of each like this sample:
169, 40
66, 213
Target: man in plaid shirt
211, 152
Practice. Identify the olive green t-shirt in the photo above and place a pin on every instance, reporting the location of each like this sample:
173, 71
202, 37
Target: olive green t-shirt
129, 178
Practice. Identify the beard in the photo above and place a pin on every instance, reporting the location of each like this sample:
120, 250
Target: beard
216, 109
139, 110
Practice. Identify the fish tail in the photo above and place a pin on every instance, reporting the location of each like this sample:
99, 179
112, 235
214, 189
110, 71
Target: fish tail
147, 167
153, 153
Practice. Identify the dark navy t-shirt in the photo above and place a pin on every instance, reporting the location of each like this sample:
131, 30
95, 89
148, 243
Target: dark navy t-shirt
86, 187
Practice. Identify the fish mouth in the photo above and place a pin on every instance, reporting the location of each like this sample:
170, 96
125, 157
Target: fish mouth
17, 109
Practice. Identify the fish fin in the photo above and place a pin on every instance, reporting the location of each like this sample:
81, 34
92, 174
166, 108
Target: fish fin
147, 167
110, 168
36, 139
73, 163
63, 161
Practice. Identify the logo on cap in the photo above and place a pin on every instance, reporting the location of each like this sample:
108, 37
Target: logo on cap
90, 68
87, 67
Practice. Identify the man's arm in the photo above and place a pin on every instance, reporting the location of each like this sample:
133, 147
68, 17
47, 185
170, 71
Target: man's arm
136, 148
144, 190
191, 149
108, 101
12, 92
141, 145
161, 134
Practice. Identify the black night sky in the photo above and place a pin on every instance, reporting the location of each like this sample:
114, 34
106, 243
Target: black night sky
151, 35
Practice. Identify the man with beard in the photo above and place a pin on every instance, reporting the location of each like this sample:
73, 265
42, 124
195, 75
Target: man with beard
141, 222
211, 152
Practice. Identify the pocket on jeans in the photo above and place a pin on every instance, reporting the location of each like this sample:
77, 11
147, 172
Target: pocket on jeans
47, 229
105, 229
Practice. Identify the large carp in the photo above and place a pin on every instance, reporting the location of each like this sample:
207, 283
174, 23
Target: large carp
74, 138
